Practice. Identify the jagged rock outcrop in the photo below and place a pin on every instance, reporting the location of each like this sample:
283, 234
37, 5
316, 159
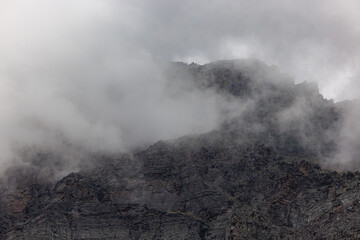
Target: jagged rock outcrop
292, 118
240, 181
204, 187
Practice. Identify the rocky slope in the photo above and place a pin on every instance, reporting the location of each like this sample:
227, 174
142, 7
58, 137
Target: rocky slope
256, 177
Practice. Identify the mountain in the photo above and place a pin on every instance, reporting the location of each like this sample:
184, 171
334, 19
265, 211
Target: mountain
262, 174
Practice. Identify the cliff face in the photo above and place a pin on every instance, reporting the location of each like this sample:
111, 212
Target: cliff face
256, 177
272, 110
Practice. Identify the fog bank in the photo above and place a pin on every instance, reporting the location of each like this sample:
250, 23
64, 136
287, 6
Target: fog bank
88, 74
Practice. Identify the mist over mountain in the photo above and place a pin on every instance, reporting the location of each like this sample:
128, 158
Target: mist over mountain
88, 76
119, 120
261, 172
265, 106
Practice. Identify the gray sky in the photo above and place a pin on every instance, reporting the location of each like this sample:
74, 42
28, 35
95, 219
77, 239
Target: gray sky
85, 70
311, 40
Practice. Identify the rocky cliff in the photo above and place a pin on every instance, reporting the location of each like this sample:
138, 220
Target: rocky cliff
258, 176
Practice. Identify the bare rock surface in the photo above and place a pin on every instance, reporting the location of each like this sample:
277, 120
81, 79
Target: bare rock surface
231, 183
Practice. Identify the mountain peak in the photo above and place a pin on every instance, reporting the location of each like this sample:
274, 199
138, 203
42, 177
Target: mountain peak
257, 176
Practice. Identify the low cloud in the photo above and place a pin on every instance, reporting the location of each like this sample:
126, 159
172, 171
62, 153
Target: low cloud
89, 74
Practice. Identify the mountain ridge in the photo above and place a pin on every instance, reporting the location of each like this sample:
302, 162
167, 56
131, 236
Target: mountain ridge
259, 175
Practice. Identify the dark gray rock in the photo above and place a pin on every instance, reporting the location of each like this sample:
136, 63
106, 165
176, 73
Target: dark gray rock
231, 183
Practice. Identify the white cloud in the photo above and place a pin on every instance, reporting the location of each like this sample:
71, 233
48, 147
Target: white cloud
86, 70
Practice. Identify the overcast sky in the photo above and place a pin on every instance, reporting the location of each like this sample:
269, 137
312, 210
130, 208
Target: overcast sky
311, 40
